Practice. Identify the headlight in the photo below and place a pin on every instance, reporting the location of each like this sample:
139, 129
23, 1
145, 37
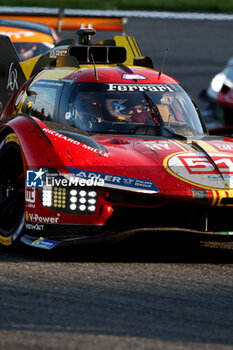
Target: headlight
61, 195
47, 197
69, 200
217, 82
82, 200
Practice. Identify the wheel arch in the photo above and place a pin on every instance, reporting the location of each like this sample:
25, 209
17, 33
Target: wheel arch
36, 148
9, 142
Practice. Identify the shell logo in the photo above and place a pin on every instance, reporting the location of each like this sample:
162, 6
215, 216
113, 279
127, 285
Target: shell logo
214, 172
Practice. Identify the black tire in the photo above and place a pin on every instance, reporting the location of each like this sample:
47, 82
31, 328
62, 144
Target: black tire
12, 187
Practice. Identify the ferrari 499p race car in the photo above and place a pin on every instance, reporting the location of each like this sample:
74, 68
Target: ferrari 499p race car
96, 145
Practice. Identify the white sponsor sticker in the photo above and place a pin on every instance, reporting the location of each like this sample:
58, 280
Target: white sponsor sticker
138, 87
197, 168
41, 219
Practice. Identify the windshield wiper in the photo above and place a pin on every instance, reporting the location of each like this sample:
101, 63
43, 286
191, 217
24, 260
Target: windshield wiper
161, 124
154, 108
149, 130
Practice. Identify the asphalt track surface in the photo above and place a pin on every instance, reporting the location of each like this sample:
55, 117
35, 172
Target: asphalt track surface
146, 293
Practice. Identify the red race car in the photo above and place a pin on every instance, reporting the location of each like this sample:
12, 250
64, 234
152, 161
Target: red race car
99, 146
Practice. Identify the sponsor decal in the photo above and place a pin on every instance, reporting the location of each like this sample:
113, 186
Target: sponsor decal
224, 146
60, 136
30, 195
35, 178
119, 182
30, 205
44, 243
159, 145
36, 227
41, 219
12, 78
56, 53
138, 87
197, 168
200, 194
75, 142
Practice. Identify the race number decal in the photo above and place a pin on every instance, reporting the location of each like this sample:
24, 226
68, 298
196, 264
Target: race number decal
197, 168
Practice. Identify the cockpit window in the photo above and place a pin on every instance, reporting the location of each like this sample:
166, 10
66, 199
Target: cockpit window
41, 99
109, 108
27, 50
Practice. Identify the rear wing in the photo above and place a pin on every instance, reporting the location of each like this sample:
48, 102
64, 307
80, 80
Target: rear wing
64, 19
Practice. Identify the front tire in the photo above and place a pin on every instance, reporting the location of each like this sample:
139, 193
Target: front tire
12, 185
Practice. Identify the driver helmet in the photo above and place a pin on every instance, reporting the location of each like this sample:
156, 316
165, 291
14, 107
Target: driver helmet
27, 51
124, 109
117, 109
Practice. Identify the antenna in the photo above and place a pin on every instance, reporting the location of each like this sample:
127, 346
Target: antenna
59, 20
95, 70
164, 59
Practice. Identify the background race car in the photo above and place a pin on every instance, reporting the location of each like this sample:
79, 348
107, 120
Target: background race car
29, 39
219, 97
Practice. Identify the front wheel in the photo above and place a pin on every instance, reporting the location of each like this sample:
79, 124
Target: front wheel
11, 190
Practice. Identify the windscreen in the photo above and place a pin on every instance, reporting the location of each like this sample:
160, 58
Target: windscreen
118, 108
27, 50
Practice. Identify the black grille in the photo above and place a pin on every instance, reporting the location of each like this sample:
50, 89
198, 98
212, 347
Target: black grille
181, 215
133, 199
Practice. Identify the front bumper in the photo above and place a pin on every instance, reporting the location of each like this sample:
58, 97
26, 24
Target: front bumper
113, 237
